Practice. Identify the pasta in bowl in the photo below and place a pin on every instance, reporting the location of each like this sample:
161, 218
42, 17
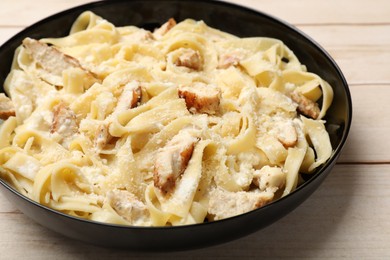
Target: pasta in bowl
176, 126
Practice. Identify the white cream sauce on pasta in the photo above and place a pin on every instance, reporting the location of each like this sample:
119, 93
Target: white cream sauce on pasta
249, 144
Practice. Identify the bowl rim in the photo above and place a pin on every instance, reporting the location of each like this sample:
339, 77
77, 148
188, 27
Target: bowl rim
332, 160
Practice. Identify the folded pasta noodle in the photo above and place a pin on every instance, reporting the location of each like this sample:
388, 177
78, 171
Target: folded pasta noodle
133, 127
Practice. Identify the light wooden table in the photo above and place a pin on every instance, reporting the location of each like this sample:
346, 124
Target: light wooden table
349, 215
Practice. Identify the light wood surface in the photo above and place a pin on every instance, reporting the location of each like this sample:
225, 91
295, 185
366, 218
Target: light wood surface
348, 217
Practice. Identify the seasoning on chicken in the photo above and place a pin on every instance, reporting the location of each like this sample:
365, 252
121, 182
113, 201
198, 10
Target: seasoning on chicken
128, 206
225, 204
306, 106
102, 137
287, 134
7, 108
160, 32
269, 178
201, 98
230, 59
191, 59
64, 121
53, 62
172, 160
130, 98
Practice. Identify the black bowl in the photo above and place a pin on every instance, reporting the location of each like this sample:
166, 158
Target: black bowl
231, 18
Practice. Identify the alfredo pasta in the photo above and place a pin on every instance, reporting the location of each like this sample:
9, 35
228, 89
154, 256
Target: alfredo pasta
172, 127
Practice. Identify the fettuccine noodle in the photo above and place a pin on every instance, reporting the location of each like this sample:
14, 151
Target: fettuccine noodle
178, 126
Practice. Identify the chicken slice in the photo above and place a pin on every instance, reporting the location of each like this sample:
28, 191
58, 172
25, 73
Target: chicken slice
64, 121
53, 62
128, 206
306, 106
269, 178
102, 137
172, 160
190, 58
142, 35
201, 98
130, 98
286, 133
230, 59
7, 108
160, 32
225, 204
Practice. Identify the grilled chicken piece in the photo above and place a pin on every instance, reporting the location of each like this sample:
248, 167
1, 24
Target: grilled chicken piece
64, 121
160, 32
128, 206
53, 62
306, 106
102, 137
191, 59
146, 35
7, 108
269, 178
172, 160
225, 204
130, 98
287, 134
201, 98
230, 59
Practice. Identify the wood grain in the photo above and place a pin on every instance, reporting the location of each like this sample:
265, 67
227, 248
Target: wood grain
293, 11
346, 218
369, 136
361, 51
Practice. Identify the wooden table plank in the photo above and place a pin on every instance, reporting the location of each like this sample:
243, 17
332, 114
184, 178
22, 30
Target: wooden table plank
339, 36
324, 12
369, 138
347, 217
25, 12
293, 11
8, 32
361, 51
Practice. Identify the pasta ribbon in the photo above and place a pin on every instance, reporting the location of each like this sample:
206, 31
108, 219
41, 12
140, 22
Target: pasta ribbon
179, 204
177, 126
